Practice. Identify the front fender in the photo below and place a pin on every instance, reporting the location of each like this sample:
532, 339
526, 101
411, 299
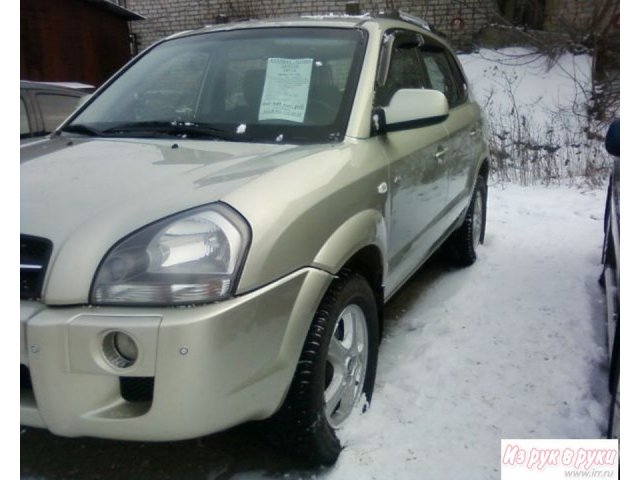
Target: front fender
316, 211
361, 230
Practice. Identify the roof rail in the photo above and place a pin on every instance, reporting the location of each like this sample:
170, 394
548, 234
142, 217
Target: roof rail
400, 15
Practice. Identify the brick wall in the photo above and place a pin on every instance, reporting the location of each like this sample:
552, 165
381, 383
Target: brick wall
455, 19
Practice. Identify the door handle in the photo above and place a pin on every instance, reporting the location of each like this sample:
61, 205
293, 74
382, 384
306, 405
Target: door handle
440, 154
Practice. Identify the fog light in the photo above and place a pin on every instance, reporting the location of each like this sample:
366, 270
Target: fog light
119, 349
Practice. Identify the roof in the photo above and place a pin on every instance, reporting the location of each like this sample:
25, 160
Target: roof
71, 88
113, 7
73, 85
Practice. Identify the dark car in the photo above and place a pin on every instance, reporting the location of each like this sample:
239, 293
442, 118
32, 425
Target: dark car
44, 106
610, 278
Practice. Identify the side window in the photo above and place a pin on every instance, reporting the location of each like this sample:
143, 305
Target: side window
55, 108
24, 119
442, 76
405, 71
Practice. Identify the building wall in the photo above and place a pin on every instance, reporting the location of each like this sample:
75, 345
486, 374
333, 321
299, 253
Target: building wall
70, 40
575, 14
164, 17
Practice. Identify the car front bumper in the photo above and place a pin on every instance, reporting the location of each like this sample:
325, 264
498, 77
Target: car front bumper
210, 367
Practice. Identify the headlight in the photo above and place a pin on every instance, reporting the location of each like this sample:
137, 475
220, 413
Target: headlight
192, 257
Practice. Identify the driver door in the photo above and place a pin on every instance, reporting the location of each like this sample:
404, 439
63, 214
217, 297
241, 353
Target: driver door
418, 174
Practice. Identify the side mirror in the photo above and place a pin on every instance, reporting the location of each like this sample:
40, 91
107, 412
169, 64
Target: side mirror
412, 108
612, 141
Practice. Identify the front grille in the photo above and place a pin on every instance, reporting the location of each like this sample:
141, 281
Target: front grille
25, 378
34, 258
137, 389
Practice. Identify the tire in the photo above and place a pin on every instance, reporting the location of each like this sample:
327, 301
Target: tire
608, 255
613, 429
464, 241
606, 204
306, 424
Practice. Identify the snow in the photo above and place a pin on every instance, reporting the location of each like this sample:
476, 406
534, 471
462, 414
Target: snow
512, 347
74, 85
539, 85
536, 112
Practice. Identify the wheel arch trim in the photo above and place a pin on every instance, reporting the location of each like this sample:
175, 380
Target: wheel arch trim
364, 229
359, 244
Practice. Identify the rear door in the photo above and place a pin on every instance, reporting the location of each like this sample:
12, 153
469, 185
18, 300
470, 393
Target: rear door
463, 124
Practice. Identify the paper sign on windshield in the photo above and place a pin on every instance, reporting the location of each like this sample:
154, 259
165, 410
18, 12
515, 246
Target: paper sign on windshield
286, 89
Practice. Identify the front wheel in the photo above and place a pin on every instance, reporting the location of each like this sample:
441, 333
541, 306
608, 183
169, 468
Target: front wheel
464, 241
337, 366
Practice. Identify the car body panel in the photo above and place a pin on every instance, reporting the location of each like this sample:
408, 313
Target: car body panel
418, 194
76, 392
160, 180
308, 209
465, 143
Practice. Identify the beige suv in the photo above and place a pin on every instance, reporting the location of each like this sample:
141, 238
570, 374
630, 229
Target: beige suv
211, 238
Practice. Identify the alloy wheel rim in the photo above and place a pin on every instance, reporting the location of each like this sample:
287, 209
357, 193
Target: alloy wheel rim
346, 364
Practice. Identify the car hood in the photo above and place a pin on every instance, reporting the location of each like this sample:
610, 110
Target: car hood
85, 195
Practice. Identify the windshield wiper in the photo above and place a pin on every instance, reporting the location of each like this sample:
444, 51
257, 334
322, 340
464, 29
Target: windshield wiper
175, 128
81, 128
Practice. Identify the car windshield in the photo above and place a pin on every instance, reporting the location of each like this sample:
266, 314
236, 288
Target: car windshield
292, 85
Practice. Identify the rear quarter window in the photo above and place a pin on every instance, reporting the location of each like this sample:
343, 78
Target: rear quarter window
24, 119
55, 108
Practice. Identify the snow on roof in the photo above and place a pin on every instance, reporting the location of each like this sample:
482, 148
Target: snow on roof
74, 85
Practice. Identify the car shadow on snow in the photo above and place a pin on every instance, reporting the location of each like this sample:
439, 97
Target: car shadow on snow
216, 457
412, 291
